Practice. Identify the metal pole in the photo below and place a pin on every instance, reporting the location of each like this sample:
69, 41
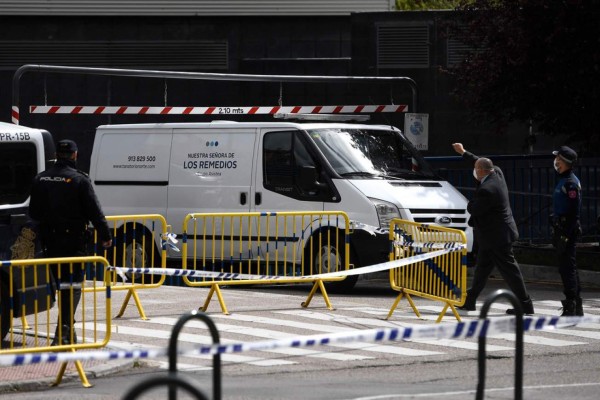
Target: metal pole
202, 76
173, 352
518, 344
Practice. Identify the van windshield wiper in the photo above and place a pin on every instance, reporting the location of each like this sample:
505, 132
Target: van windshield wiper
360, 173
408, 174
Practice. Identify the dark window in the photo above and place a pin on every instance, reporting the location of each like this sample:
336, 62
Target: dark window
290, 169
18, 164
278, 159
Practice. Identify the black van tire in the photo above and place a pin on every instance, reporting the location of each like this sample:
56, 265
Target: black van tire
143, 248
328, 252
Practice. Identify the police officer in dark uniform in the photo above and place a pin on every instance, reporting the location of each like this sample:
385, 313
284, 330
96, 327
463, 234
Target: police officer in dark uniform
566, 227
63, 202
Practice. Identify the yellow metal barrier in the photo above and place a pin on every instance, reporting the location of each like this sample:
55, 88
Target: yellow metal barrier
30, 291
442, 278
139, 241
275, 248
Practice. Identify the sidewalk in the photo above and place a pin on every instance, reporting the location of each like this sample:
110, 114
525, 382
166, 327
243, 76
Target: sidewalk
37, 376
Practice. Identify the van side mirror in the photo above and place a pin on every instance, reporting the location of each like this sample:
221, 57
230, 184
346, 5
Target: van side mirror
308, 179
307, 176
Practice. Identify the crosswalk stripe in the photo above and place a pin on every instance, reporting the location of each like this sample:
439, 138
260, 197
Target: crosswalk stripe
182, 367
196, 339
370, 347
539, 340
463, 344
368, 322
329, 329
128, 346
578, 333
265, 334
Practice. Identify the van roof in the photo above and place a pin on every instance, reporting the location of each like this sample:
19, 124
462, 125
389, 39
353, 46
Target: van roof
233, 124
12, 128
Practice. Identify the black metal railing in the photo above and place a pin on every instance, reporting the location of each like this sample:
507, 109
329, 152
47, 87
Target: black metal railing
531, 180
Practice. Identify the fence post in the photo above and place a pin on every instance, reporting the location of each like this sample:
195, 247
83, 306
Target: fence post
170, 380
173, 352
518, 344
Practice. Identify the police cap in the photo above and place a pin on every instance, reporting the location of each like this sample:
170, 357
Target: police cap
566, 153
66, 147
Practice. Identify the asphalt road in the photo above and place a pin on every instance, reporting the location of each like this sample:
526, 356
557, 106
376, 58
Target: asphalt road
563, 363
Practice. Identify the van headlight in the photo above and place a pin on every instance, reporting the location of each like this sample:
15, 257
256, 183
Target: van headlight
386, 212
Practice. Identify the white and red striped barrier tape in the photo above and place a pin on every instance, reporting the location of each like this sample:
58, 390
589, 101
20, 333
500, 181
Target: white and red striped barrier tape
146, 110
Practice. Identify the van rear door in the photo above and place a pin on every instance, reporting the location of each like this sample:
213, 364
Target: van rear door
130, 169
211, 171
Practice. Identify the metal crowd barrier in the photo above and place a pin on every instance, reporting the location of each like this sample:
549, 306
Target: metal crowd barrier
139, 241
265, 248
441, 278
39, 308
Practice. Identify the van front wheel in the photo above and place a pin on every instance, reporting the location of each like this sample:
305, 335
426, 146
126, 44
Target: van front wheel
326, 257
137, 250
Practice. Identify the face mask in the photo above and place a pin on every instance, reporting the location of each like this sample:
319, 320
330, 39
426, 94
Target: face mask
556, 168
475, 174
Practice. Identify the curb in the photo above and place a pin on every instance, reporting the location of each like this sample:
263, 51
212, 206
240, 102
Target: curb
543, 273
45, 379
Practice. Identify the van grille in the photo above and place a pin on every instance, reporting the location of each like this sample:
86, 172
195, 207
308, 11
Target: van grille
459, 217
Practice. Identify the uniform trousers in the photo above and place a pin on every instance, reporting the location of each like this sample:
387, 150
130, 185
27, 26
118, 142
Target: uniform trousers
68, 279
568, 271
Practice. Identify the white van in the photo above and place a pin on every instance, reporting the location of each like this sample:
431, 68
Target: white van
23, 153
373, 173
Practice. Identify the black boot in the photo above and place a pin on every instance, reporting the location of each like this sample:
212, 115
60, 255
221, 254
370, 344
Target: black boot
568, 309
579, 307
65, 336
69, 300
527, 308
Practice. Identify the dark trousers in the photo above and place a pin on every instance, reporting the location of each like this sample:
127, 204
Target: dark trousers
68, 279
503, 259
567, 268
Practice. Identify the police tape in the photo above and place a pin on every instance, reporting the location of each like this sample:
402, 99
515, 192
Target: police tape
121, 271
460, 330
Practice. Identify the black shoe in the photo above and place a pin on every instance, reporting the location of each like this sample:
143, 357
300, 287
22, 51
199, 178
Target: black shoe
467, 307
65, 336
568, 309
579, 307
527, 308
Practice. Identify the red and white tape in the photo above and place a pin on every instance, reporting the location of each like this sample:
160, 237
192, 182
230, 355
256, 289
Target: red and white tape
14, 115
137, 110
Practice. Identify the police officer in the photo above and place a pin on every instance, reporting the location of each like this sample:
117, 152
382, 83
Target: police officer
566, 227
63, 202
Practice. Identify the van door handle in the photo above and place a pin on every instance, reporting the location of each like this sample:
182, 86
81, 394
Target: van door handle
257, 198
243, 198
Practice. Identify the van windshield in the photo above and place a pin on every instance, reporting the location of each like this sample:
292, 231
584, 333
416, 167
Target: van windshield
369, 153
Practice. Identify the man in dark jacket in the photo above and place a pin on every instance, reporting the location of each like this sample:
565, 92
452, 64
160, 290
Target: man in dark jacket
63, 202
566, 227
494, 230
